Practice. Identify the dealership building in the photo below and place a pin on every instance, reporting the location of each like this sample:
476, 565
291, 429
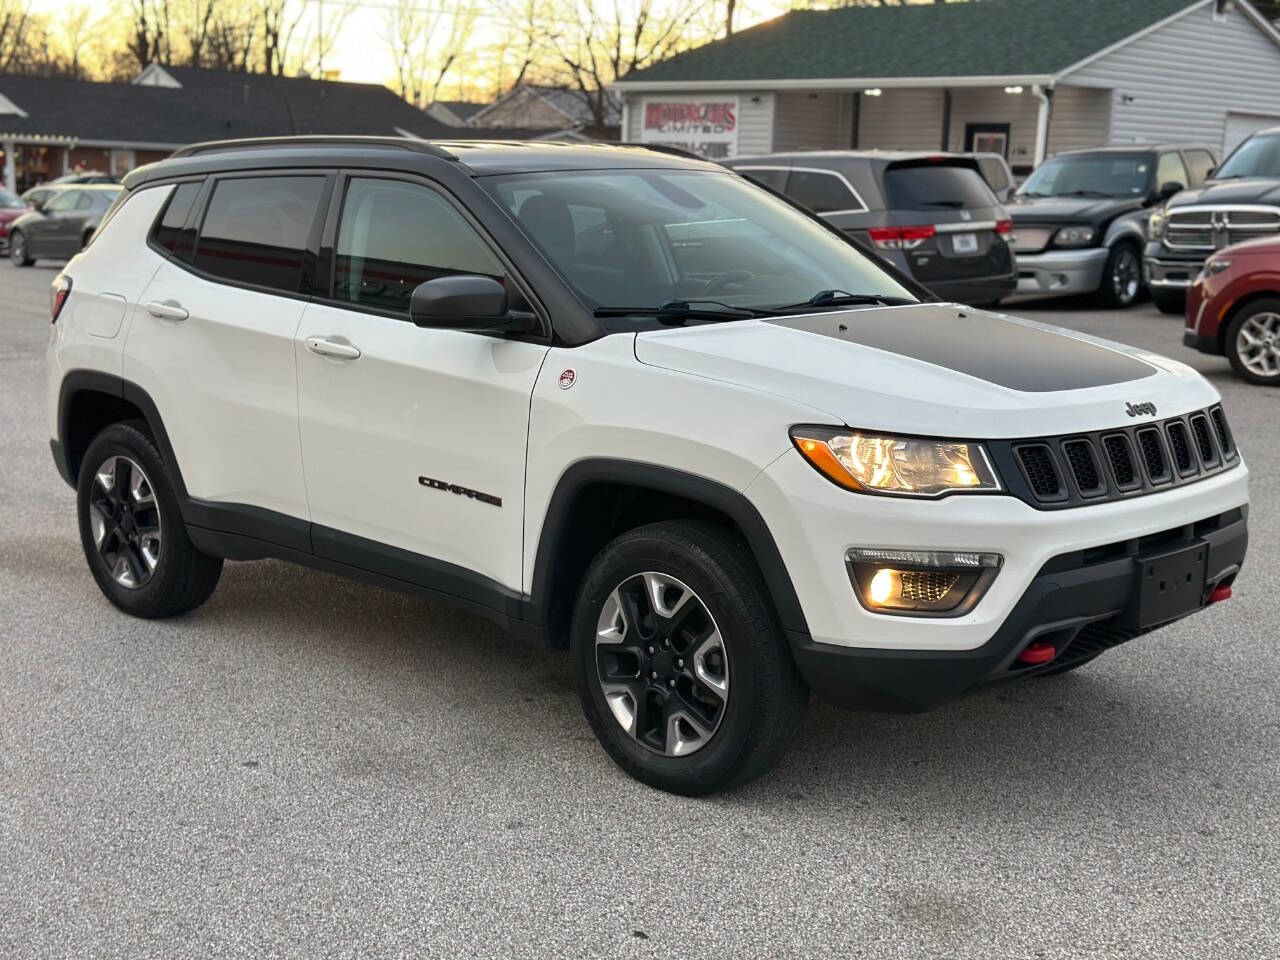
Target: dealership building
1025, 78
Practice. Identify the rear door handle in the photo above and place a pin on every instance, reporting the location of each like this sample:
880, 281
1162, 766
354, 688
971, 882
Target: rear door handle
330, 348
167, 310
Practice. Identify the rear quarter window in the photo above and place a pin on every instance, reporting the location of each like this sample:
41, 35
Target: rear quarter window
933, 186
167, 234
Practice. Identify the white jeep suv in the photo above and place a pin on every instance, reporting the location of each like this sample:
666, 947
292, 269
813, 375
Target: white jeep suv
628, 403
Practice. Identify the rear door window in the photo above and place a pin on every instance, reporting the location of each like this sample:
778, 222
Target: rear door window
255, 230
993, 172
822, 191
1169, 169
1200, 163
395, 235
935, 186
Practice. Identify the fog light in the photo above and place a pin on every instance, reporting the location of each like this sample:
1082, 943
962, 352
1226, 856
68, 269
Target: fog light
921, 582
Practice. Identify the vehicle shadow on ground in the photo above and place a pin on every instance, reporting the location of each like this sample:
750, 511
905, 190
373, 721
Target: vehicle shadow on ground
1050, 741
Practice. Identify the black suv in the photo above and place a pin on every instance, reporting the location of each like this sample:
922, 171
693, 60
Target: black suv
1079, 221
1240, 201
932, 215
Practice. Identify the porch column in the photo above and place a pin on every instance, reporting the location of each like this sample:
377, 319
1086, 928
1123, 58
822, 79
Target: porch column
946, 120
10, 171
1042, 95
855, 118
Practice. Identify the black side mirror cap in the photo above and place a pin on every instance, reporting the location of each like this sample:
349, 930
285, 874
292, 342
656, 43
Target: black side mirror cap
467, 302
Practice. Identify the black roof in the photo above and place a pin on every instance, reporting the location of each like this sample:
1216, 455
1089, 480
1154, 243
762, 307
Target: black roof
478, 157
210, 104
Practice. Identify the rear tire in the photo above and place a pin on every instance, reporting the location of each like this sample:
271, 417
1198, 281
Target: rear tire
683, 672
1122, 276
1169, 301
1252, 343
132, 530
18, 250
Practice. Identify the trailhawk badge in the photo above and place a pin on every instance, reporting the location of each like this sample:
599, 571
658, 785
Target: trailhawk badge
567, 379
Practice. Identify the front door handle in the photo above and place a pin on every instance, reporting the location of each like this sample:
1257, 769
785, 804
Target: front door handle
331, 348
167, 310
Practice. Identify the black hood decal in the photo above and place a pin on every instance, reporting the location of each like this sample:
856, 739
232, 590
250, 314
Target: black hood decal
978, 344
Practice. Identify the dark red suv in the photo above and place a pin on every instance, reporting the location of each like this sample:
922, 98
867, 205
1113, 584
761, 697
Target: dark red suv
1233, 308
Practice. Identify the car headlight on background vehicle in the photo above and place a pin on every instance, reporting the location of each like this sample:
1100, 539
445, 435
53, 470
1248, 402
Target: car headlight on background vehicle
1155, 224
1215, 265
902, 466
1078, 236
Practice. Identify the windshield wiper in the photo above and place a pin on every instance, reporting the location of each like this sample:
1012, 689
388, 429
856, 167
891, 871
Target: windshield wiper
1085, 193
840, 298
675, 312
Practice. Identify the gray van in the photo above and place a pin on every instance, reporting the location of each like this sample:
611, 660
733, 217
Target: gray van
931, 215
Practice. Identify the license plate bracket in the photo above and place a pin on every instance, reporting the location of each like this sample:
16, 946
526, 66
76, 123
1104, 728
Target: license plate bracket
964, 242
1170, 584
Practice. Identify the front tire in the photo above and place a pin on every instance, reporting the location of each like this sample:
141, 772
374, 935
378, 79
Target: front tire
132, 531
1169, 301
1122, 276
1253, 342
18, 252
683, 672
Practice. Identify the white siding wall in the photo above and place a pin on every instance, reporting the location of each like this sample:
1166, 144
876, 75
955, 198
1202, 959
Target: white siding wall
901, 120
1081, 118
755, 119
1177, 83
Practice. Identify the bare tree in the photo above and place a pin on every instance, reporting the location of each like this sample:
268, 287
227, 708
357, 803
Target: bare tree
425, 44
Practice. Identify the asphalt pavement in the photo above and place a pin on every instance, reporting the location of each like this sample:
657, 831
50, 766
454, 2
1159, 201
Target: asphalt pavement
309, 767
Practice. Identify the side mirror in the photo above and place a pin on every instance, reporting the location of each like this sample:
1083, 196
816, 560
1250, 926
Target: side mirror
466, 302
1167, 190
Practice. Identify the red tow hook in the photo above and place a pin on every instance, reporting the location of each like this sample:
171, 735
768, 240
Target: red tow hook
1221, 592
1037, 653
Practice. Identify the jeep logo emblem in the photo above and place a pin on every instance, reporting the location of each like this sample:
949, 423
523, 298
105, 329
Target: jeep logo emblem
1140, 409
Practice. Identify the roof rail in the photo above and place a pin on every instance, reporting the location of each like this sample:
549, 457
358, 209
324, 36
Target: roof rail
250, 143
668, 148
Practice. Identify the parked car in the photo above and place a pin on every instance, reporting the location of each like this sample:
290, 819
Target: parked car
1233, 308
37, 197
62, 226
11, 207
930, 215
999, 176
629, 404
1078, 221
1240, 201
86, 176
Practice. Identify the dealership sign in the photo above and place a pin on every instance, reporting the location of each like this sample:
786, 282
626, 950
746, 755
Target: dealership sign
708, 126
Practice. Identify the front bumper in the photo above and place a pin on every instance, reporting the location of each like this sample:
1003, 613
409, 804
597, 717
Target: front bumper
979, 290
1078, 603
1163, 270
1202, 343
1062, 271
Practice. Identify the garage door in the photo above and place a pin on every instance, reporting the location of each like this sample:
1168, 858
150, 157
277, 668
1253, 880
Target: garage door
1241, 125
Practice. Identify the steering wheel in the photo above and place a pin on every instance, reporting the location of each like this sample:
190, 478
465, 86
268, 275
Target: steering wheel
727, 279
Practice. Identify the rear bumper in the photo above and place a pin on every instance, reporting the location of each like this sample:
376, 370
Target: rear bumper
977, 290
1062, 271
1079, 602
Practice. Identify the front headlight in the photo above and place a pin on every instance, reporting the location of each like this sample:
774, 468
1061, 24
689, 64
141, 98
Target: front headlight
1155, 224
1073, 237
1215, 265
903, 466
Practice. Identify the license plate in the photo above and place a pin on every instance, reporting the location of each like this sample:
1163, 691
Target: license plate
964, 242
1170, 584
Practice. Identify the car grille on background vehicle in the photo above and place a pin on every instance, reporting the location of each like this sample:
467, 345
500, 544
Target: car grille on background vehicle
1031, 239
1204, 228
1113, 464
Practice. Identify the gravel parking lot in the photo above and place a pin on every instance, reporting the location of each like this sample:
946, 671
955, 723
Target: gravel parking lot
311, 767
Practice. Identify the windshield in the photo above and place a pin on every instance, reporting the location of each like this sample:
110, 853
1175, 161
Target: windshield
644, 238
1091, 174
8, 199
1256, 157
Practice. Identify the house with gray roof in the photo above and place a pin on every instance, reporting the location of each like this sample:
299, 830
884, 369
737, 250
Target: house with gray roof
1026, 78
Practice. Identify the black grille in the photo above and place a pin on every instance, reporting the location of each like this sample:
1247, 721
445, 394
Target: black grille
1224, 434
1204, 442
1180, 444
927, 586
1084, 467
1153, 455
1120, 456
1040, 470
